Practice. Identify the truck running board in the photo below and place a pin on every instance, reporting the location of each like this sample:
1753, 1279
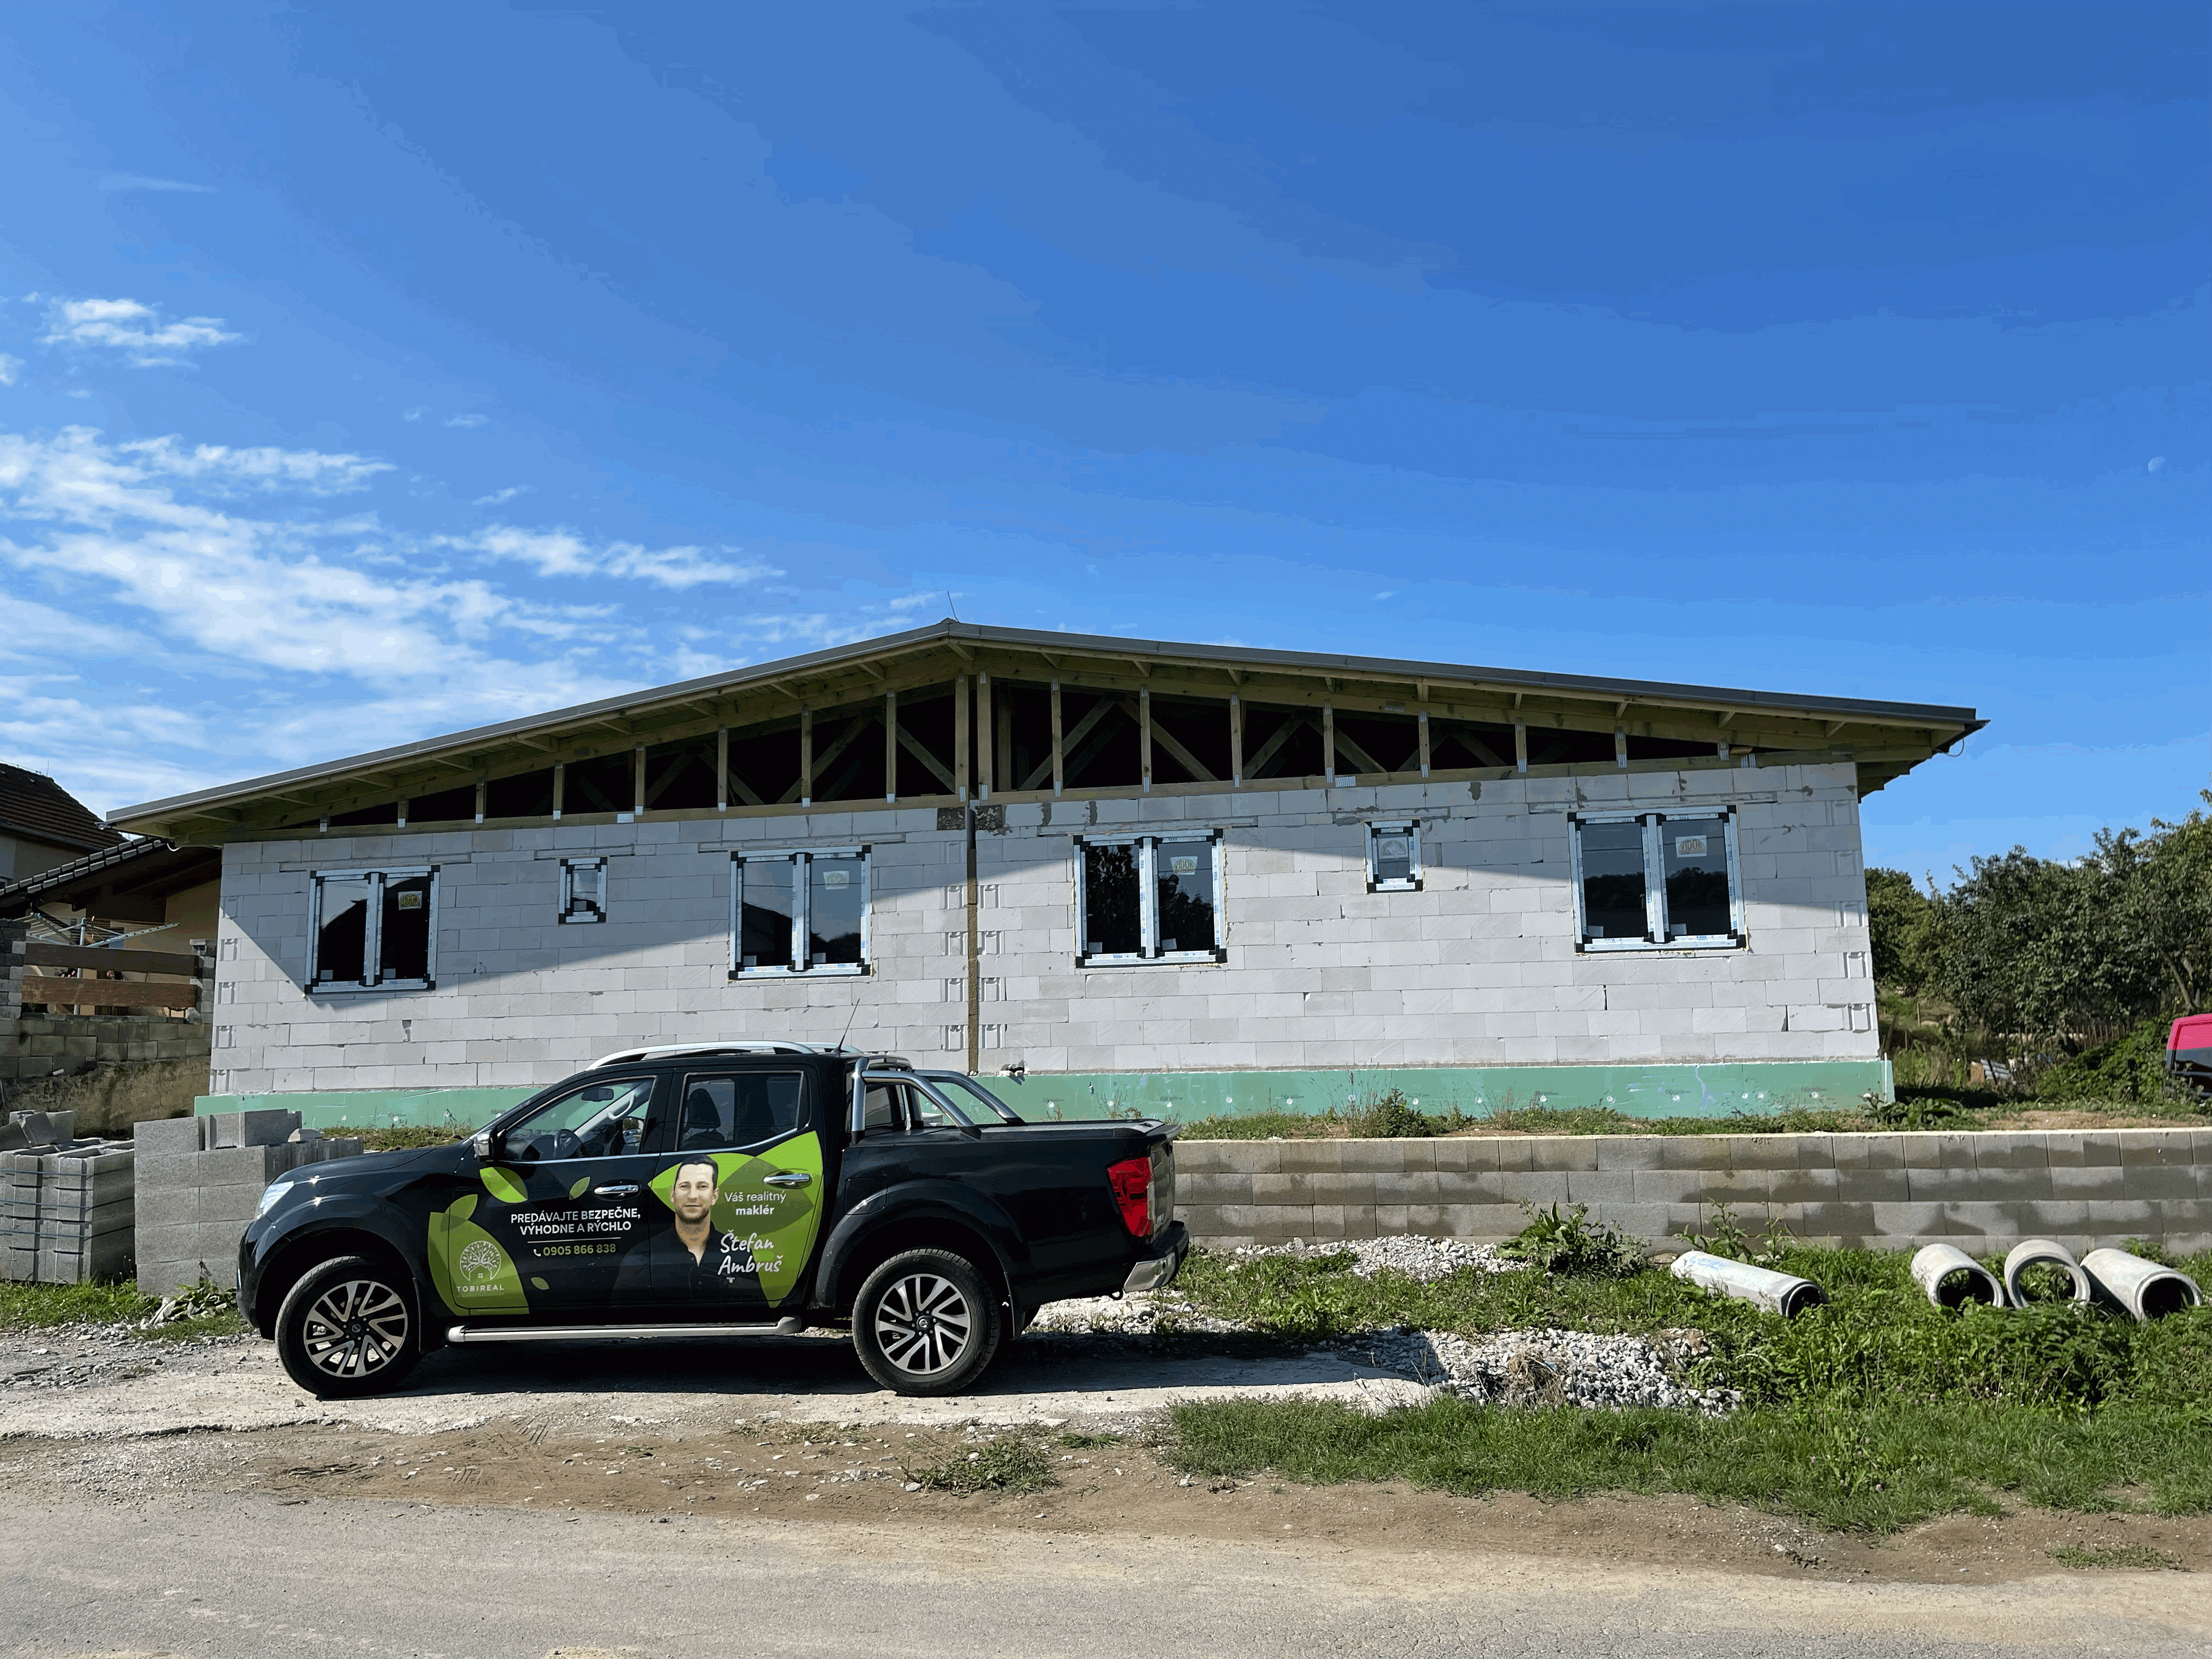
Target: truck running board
464, 1334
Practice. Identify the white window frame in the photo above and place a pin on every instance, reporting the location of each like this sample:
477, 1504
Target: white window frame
574, 908
802, 905
1148, 902
372, 946
1409, 828
1655, 883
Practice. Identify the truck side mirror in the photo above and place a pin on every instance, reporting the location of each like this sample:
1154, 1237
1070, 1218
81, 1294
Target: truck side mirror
486, 1146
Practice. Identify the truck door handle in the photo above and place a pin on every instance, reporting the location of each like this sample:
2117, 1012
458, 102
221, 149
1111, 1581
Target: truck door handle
795, 1179
614, 1192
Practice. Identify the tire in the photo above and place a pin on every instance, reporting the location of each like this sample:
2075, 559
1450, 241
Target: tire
349, 1329
926, 1322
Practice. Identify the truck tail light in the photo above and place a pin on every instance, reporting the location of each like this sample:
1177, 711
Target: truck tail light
1132, 1182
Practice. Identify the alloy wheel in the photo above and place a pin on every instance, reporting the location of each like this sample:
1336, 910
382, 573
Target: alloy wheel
923, 1324
355, 1329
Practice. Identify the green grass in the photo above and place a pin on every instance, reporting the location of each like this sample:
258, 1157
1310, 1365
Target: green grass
40, 1307
110, 1302
1872, 1411
1863, 1469
399, 1138
1876, 1338
2140, 1558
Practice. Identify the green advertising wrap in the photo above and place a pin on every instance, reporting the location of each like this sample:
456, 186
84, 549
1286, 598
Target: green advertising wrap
473, 1273
776, 1223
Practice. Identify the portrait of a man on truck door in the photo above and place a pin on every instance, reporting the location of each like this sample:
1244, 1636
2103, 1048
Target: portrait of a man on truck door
685, 1261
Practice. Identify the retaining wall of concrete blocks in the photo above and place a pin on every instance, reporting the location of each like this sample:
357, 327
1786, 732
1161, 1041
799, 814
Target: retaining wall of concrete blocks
1982, 1191
1478, 968
200, 1180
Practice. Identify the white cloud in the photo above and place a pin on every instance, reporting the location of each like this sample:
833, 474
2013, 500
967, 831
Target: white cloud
466, 420
134, 328
414, 414
123, 181
501, 497
561, 552
265, 468
245, 589
10, 368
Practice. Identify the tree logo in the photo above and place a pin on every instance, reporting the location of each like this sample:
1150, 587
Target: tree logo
481, 1261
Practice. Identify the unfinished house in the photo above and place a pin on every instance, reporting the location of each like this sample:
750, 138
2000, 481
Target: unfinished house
1154, 878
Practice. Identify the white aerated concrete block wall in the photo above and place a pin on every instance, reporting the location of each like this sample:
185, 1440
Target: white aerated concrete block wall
1479, 968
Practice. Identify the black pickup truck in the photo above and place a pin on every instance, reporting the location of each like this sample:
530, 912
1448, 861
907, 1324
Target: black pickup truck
723, 1190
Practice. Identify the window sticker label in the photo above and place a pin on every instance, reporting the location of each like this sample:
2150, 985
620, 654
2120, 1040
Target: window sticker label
1689, 847
1184, 866
836, 878
409, 901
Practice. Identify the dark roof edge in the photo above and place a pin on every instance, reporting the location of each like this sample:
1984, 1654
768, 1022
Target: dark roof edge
1097, 644
123, 852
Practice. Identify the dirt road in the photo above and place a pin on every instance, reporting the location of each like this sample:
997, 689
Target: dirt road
716, 1498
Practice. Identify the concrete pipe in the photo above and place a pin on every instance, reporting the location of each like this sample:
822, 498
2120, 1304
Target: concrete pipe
2142, 1289
2043, 1253
1781, 1293
1953, 1278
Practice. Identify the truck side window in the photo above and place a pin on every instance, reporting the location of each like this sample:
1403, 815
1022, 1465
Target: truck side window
741, 1109
607, 1119
887, 1107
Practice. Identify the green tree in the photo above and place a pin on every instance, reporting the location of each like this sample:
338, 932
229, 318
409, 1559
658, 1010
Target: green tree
1905, 926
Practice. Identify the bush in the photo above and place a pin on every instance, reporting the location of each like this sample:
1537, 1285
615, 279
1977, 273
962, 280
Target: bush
2132, 1067
1569, 1244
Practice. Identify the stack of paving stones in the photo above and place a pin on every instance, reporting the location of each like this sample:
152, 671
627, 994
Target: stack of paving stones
200, 1180
65, 1204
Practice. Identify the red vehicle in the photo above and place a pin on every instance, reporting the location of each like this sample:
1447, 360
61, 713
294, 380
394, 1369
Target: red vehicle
2189, 1050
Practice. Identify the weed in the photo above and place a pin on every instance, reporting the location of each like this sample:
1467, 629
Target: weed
2140, 1558
1011, 1464
1729, 1238
1570, 1244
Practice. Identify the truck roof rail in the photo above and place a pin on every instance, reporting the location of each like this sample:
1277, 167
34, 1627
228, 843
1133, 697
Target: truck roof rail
670, 1050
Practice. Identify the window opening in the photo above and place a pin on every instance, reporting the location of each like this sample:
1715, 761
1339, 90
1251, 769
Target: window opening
1653, 879
799, 911
583, 889
1394, 857
374, 930
1150, 898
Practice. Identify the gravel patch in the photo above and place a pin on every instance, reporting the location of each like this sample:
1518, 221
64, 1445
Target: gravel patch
1553, 1368
1425, 1259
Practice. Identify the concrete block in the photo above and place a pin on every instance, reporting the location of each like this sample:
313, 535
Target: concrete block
259, 1128
168, 1136
1599, 1188
1620, 1152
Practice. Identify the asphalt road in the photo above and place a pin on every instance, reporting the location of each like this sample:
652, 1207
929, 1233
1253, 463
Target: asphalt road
253, 1575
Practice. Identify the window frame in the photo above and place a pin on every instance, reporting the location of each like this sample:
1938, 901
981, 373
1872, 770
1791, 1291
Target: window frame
372, 943
1148, 953
1409, 828
569, 902
1653, 824
800, 859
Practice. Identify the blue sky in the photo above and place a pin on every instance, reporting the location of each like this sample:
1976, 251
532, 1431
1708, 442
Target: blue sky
366, 373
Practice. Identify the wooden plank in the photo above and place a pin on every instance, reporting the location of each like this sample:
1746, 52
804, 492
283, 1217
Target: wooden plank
46, 953
912, 746
108, 994
1099, 710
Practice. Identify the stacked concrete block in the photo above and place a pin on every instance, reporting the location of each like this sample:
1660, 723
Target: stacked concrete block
65, 1205
200, 1180
1981, 1192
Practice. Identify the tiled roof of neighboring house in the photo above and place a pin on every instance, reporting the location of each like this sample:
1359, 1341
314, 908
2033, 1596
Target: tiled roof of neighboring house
33, 807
